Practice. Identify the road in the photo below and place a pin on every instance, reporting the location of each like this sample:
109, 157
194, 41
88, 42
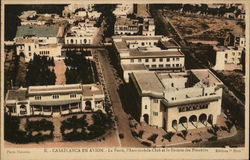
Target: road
111, 84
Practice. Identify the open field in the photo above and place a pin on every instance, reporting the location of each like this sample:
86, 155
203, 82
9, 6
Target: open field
200, 27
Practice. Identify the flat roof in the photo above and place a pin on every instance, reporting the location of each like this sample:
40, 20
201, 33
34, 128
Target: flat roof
69, 88
128, 67
90, 90
126, 21
19, 94
148, 81
37, 31
162, 53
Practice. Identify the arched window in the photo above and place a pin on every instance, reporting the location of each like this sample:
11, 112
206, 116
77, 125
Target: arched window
146, 107
203, 118
174, 124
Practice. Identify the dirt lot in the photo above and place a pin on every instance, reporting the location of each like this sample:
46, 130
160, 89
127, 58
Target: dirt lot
201, 27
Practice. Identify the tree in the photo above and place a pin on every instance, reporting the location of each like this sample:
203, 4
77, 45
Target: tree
168, 136
153, 137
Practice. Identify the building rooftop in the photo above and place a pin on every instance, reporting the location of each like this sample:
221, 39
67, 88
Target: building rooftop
148, 53
37, 31
54, 89
148, 81
157, 81
164, 47
126, 21
19, 94
90, 90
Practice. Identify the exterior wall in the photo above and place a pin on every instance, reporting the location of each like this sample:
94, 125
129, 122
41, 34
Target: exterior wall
233, 56
155, 114
220, 61
45, 98
174, 114
164, 62
79, 40
51, 51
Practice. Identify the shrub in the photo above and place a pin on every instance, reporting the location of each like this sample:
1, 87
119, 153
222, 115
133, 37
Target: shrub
146, 143
140, 133
153, 137
134, 134
168, 136
214, 138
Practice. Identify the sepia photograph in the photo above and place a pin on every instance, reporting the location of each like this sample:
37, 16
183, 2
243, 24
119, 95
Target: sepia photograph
94, 78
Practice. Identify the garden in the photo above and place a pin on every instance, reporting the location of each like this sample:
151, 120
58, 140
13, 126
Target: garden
79, 68
80, 128
34, 131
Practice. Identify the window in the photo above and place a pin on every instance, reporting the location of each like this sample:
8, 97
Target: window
168, 59
146, 107
37, 97
29, 48
173, 59
173, 65
55, 96
30, 54
147, 66
153, 60
72, 95
177, 65
132, 60
172, 84
155, 100
154, 66
161, 59
146, 60
177, 59
233, 53
167, 65
155, 113
225, 55
160, 65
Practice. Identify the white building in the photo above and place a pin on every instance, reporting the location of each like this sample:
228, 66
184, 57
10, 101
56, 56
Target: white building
155, 53
228, 58
83, 33
177, 101
39, 40
130, 26
32, 18
71, 8
123, 9
54, 100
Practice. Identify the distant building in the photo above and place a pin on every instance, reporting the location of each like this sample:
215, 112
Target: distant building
71, 8
133, 26
32, 18
83, 33
228, 58
54, 100
176, 101
123, 9
141, 10
154, 52
39, 40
